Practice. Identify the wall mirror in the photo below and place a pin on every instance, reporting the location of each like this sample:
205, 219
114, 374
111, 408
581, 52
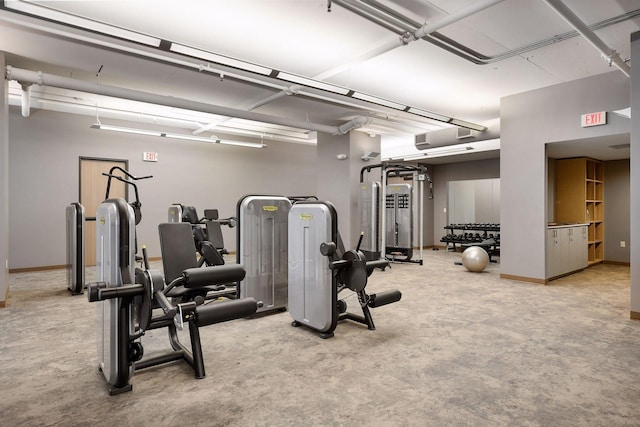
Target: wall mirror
474, 201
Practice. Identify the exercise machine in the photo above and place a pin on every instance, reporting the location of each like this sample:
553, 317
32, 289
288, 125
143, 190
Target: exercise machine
75, 216
399, 222
320, 269
262, 249
207, 231
396, 220
369, 212
130, 301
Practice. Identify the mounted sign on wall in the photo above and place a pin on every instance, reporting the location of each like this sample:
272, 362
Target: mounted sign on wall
594, 119
148, 156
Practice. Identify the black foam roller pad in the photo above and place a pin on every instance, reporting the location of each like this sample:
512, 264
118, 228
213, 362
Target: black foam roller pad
226, 310
198, 277
383, 298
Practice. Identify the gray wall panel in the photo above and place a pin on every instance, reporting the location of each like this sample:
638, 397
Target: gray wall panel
616, 210
528, 122
44, 150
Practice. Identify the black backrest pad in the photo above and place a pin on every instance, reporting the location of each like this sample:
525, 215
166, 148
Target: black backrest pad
178, 249
214, 232
189, 214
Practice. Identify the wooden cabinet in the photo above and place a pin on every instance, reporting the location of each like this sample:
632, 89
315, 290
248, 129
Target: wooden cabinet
567, 249
580, 199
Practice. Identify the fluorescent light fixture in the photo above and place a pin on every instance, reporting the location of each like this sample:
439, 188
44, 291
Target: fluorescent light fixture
293, 78
429, 114
220, 59
414, 157
438, 152
212, 140
468, 125
78, 21
126, 130
376, 100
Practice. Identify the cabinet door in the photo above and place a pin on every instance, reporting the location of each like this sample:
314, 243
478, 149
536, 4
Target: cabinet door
551, 252
582, 246
563, 254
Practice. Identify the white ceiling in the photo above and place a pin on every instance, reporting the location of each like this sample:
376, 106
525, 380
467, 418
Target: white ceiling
302, 37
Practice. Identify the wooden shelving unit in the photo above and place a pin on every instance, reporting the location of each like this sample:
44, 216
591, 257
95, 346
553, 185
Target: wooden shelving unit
580, 199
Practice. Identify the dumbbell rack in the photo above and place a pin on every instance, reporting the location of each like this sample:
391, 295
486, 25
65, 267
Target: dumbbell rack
488, 231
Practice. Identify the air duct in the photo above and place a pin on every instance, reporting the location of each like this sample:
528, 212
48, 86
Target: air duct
453, 136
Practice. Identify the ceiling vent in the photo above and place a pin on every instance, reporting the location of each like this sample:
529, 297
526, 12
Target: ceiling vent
462, 133
422, 141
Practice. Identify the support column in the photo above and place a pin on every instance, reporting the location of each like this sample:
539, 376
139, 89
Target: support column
4, 185
338, 178
635, 177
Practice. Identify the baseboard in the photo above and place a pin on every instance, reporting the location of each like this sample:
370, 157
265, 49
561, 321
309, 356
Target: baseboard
56, 267
524, 279
40, 268
626, 264
634, 315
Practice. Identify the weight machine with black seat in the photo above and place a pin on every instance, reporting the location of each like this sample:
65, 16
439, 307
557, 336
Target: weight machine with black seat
131, 301
320, 269
207, 231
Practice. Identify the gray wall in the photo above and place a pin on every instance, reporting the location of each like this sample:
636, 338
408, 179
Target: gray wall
635, 177
43, 178
616, 210
337, 180
528, 122
478, 169
4, 187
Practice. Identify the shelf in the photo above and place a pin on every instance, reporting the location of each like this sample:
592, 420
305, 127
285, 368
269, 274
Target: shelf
580, 198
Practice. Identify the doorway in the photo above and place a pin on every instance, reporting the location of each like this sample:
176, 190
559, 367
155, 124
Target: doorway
92, 188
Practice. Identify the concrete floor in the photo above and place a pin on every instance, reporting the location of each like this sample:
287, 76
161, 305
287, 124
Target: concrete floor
460, 348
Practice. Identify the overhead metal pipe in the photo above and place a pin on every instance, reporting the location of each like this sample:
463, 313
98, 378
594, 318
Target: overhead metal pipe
26, 99
426, 29
40, 78
411, 36
610, 54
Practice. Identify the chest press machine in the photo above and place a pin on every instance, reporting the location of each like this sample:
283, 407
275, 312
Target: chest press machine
320, 269
131, 301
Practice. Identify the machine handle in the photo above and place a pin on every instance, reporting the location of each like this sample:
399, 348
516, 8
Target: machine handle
164, 303
120, 292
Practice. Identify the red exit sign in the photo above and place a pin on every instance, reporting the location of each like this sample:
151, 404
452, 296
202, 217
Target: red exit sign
148, 156
594, 119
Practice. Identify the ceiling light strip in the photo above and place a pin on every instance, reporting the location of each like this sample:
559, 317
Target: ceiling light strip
294, 78
219, 59
73, 20
147, 132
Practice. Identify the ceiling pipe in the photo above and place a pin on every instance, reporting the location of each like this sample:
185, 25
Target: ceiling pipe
399, 24
448, 20
610, 55
352, 124
33, 77
411, 36
26, 99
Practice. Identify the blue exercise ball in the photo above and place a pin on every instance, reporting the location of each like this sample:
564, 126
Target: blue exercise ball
475, 259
